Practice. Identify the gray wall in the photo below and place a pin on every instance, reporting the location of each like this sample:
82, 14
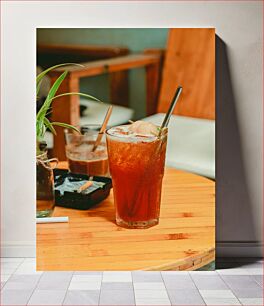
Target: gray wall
239, 106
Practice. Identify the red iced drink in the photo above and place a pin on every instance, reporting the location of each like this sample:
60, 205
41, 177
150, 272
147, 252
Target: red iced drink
136, 162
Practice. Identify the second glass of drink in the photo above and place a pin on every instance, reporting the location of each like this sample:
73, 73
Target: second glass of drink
80, 154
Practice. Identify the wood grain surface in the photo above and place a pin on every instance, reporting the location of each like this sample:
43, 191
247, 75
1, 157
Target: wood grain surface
190, 62
183, 240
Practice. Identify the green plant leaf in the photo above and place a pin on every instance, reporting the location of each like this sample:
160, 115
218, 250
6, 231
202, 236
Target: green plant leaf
67, 126
38, 88
41, 75
42, 122
49, 125
40, 129
78, 94
44, 108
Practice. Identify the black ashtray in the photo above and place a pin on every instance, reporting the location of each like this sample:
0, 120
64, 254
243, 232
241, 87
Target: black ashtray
72, 198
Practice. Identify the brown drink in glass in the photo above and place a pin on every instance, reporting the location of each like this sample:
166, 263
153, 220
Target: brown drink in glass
81, 157
136, 164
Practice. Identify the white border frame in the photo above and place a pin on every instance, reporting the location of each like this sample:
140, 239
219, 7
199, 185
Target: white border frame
18, 39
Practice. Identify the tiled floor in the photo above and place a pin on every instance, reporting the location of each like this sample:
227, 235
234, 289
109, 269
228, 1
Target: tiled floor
236, 282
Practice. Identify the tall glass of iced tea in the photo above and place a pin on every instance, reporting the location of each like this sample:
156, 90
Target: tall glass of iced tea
136, 162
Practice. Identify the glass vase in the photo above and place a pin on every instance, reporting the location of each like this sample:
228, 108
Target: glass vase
45, 185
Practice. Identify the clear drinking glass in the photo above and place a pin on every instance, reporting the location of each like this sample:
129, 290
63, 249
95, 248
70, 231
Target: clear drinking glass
137, 167
79, 151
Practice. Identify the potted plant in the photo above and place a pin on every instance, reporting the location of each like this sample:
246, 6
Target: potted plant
45, 181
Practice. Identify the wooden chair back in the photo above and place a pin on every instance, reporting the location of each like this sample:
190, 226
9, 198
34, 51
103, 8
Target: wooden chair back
189, 62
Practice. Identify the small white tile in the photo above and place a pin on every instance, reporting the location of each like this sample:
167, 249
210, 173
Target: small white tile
125, 286
217, 294
146, 276
47, 297
12, 265
151, 294
122, 276
25, 278
85, 286
149, 273
233, 271
28, 272
19, 285
86, 278
213, 282
117, 297
116, 273
255, 271
258, 279
12, 259
252, 301
149, 285
5, 277
174, 272
89, 297
207, 273
179, 282
162, 302
185, 297
29, 264
88, 273
220, 302
27, 268
8, 270
30, 260
15, 297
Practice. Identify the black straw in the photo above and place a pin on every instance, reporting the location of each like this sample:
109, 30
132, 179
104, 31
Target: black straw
170, 110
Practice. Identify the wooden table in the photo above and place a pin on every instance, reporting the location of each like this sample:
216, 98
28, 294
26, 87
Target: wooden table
183, 240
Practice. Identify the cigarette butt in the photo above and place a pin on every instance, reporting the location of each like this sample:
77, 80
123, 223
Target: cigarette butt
85, 186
